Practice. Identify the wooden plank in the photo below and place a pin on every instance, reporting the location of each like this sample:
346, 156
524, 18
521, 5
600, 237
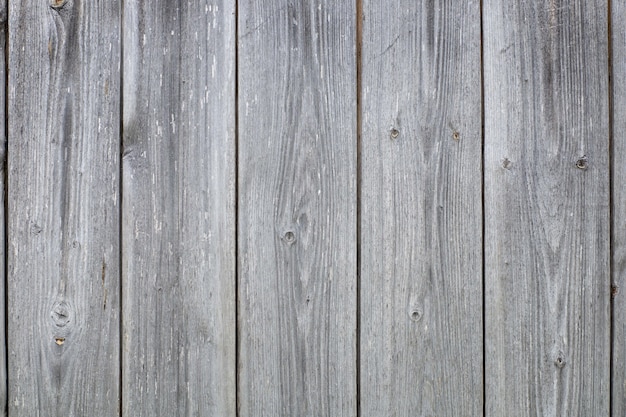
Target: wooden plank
421, 231
3, 167
179, 208
297, 208
63, 205
546, 208
618, 163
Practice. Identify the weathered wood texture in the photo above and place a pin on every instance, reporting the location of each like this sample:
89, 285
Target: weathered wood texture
618, 163
179, 208
63, 204
297, 208
235, 208
421, 214
3, 166
546, 208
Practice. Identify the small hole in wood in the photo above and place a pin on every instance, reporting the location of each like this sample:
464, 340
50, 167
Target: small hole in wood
456, 135
582, 163
59, 340
289, 237
415, 315
394, 133
559, 362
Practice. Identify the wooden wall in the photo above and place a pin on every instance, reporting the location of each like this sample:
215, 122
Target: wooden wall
313, 208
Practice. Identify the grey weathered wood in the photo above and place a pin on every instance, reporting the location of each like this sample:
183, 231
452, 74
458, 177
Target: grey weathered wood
3, 143
297, 208
421, 216
63, 208
546, 208
618, 77
179, 208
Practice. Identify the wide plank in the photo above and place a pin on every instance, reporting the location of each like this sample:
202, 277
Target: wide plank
547, 226
421, 209
63, 208
178, 208
297, 208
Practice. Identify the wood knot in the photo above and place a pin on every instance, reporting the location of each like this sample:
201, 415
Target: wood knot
456, 135
289, 237
416, 314
61, 314
582, 163
559, 362
59, 340
35, 229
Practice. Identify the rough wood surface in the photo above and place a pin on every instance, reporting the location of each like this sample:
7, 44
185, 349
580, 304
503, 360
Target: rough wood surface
178, 208
297, 208
63, 205
546, 208
421, 231
3, 166
618, 163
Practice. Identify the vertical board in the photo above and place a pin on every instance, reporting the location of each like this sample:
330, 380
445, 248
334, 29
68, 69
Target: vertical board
179, 208
297, 208
421, 214
3, 167
63, 205
618, 163
546, 208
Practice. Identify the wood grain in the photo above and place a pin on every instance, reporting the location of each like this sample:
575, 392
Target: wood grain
3, 169
546, 208
63, 208
179, 208
297, 208
421, 215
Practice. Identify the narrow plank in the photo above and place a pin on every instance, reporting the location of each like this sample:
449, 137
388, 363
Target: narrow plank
297, 208
3, 167
618, 163
546, 208
421, 213
63, 205
178, 209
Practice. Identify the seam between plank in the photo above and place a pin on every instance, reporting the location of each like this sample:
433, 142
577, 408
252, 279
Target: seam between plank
6, 205
236, 209
611, 200
359, 67
121, 213
482, 197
